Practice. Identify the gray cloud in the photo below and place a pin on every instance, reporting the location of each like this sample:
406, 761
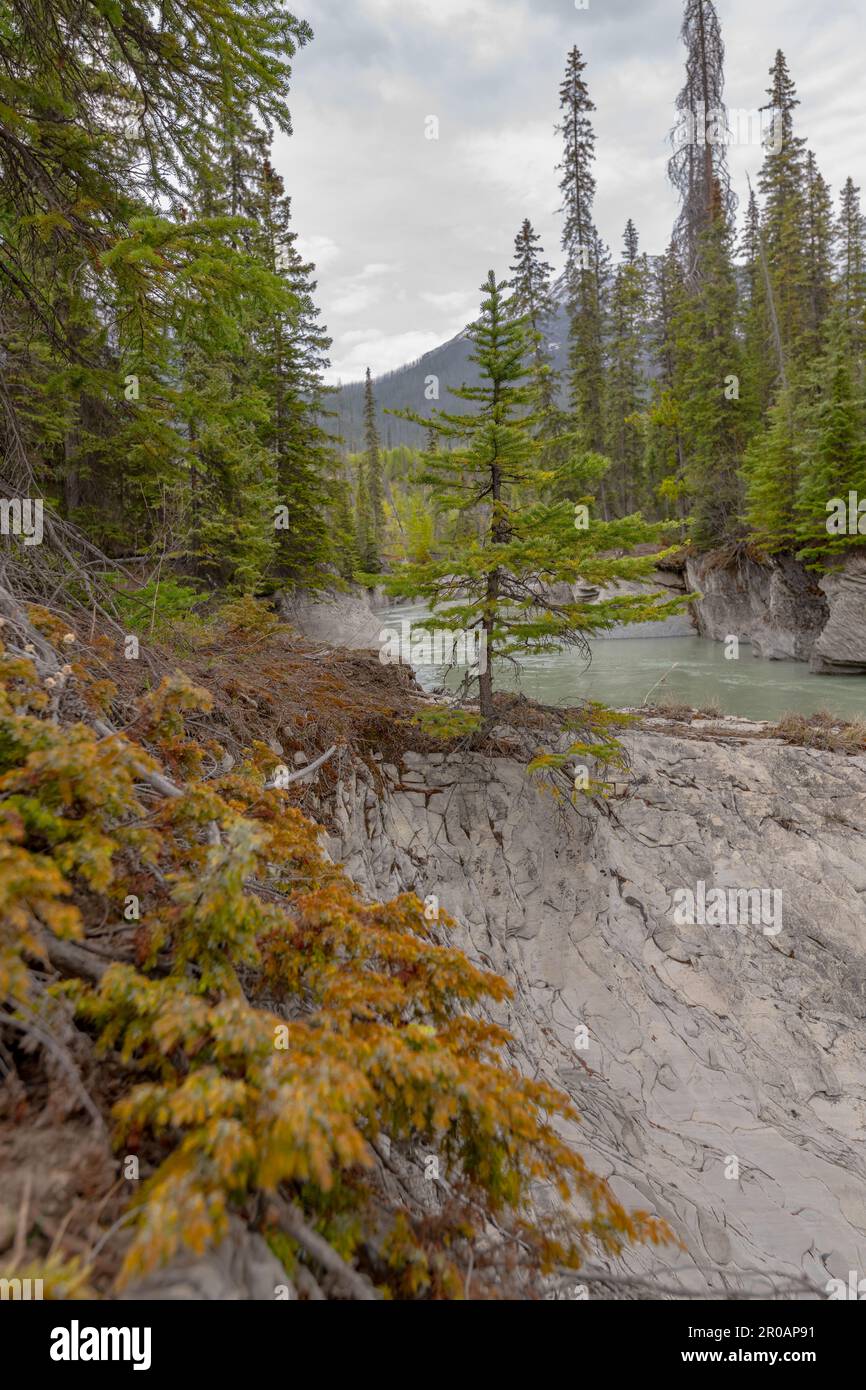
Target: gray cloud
404, 228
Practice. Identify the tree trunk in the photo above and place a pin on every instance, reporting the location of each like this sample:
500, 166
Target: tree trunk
485, 677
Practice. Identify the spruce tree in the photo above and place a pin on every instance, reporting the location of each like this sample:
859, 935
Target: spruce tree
371, 509
292, 356
761, 367
819, 255
851, 250
225, 402
785, 222
626, 388
503, 573
343, 523
833, 441
708, 397
131, 292
664, 461
712, 416
586, 257
533, 296
365, 541
772, 470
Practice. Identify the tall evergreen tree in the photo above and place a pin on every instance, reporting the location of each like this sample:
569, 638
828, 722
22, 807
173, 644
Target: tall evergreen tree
712, 417
291, 360
851, 251
833, 441
586, 259
533, 296
760, 377
708, 398
344, 526
133, 292
785, 221
626, 387
226, 406
505, 574
772, 472
371, 508
665, 462
819, 255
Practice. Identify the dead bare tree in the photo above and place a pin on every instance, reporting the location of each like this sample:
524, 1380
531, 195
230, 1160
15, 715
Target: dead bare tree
698, 167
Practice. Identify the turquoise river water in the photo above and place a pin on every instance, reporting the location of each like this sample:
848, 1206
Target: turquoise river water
677, 670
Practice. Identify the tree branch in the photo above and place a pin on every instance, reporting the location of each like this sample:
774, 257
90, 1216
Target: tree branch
290, 1219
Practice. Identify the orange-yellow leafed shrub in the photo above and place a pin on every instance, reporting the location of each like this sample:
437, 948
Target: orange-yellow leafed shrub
275, 1027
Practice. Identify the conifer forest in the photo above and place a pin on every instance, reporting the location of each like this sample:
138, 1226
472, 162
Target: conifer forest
432, 669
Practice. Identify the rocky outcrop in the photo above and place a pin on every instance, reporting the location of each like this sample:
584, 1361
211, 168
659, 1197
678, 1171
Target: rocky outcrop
777, 606
841, 647
240, 1268
352, 617
667, 583
343, 618
722, 1086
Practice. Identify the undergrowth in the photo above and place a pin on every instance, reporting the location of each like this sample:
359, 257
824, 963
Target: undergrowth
269, 1029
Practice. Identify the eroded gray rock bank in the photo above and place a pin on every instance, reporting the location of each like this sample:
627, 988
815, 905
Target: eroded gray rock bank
783, 611
342, 617
841, 647
778, 608
706, 1044
352, 617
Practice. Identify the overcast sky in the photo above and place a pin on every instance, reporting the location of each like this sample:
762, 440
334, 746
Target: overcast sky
404, 228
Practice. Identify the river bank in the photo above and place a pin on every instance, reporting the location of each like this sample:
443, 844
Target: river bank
721, 1080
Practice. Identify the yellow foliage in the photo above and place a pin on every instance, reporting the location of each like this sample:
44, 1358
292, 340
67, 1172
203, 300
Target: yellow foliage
276, 1025
53, 1278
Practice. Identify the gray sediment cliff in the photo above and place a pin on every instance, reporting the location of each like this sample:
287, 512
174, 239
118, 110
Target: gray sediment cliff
783, 610
777, 607
346, 617
669, 583
723, 1084
841, 647
352, 616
